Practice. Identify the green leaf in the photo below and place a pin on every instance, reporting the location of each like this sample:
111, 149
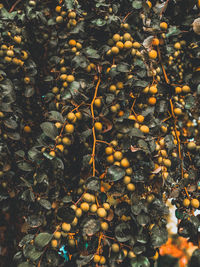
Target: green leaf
25, 166
115, 173
92, 53
123, 67
173, 30
43, 239
99, 22
55, 116
140, 261
69, 4
45, 203
137, 4
30, 252
49, 129
25, 264
159, 236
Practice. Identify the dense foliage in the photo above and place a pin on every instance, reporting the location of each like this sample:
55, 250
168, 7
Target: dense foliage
99, 124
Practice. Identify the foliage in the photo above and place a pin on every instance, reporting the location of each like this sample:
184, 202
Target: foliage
99, 126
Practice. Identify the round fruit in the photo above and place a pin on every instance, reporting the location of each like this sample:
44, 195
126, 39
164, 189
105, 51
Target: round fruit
144, 129
54, 243
72, 42
78, 212
115, 50
78, 115
74, 222
116, 37
66, 141
163, 25
120, 85
150, 198
195, 203
85, 206
191, 146
60, 147
178, 111
59, 19
118, 155
127, 179
96, 258
113, 109
120, 45
128, 44
155, 41
27, 129
58, 9
98, 126
178, 90
97, 102
108, 150
112, 88
101, 212
93, 208
70, 78
104, 226
57, 235
130, 187
125, 163
106, 206
71, 242
69, 128
155, 257
167, 162
153, 54
140, 118
17, 39
72, 15
152, 101
129, 171
87, 197
115, 247
131, 254
102, 260
186, 89
153, 90
127, 36
66, 227
52, 153
177, 45
136, 45
110, 159
186, 202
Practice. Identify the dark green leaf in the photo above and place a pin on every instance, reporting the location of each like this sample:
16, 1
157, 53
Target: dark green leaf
43, 239
49, 129
45, 203
115, 173
136, 4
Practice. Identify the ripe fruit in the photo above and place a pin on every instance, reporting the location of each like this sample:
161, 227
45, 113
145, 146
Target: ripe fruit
128, 44
120, 45
72, 15
118, 155
60, 147
70, 78
69, 128
66, 141
58, 9
115, 50
116, 37
152, 101
98, 126
54, 243
17, 39
71, 116
163, 25
153, 54
115, 247
71, 242
156, 255
108, 150
178, 90
150, 198
74, 222
178, 111
78, 115
191, 146
127, 36
84, 206
96, 258
155, 41
131, 254
104, 226
177, 45
186, 202
57, 235
130, 187
125, 163
153, 90
72, 42
101, 212
144, 129
52, 153
27, 129
78, 212
97, 102
120, 85
136, 45
110, 159
112, 88
102, 260
140, 118
106, 206
127, 179
66, 227
167, 162
27, 80
87, 197
93, 208
59, 19
195, 203
186, 89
